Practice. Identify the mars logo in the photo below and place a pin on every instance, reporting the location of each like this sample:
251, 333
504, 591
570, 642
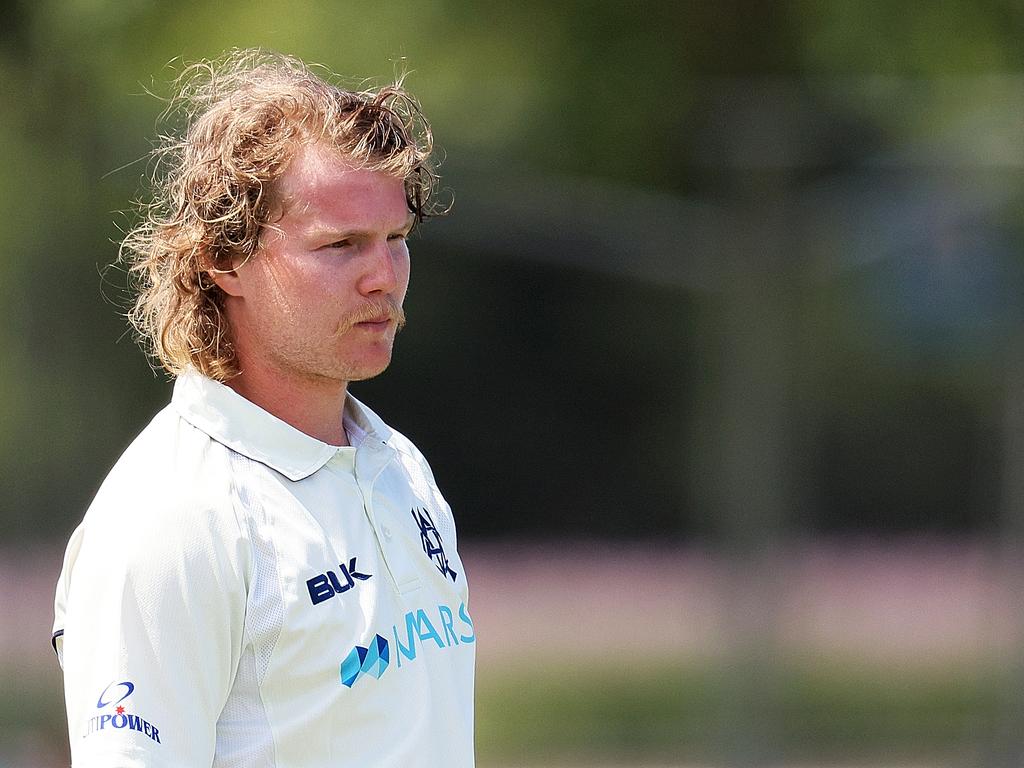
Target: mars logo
447, 628
432, 544
112, 696
361, 661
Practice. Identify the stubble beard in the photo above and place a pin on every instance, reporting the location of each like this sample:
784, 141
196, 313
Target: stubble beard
343, 371
294, 353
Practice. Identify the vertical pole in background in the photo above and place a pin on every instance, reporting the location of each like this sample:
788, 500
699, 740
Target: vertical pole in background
747, 432
1007, 748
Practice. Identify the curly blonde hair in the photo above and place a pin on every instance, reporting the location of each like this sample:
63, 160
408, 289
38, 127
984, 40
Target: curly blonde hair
245, 116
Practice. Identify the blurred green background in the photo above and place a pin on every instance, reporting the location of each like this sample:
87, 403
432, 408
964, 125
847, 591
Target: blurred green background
718, 358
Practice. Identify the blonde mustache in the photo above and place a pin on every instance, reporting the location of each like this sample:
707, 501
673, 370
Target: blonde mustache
375, 310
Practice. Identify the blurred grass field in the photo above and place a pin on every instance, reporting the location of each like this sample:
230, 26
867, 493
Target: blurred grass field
565, 678
683, 714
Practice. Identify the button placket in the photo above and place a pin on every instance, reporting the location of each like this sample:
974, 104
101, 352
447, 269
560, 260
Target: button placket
371, 460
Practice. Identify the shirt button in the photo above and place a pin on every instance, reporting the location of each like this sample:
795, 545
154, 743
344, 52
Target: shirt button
387, 532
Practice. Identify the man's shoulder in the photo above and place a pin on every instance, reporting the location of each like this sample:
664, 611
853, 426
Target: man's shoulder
166, 504
162, 523
169, 468
382, 429
406, 447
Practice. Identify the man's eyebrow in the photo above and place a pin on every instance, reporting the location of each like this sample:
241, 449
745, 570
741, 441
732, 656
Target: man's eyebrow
356, 231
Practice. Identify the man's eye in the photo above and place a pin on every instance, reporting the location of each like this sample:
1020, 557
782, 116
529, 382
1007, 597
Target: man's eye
396, 237
339, 244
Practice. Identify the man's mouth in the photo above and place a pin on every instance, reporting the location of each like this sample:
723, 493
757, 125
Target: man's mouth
376, 323
379, 318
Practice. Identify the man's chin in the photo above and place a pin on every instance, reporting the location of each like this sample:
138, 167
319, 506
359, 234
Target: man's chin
363, 373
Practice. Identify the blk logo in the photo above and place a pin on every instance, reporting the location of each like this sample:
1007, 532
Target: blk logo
327, 585
432, 544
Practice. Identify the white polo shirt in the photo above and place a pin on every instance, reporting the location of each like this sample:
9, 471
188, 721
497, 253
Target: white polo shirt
241, 594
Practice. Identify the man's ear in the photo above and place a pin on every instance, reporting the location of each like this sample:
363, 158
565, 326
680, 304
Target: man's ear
226, 279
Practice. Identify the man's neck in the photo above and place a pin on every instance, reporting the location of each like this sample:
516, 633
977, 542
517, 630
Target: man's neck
311, 406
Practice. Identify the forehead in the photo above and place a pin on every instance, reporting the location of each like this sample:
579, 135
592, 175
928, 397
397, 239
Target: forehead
322, 187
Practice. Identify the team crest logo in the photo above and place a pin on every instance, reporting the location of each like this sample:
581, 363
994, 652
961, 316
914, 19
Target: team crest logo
432, 544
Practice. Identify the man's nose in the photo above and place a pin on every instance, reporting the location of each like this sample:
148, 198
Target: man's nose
380, 275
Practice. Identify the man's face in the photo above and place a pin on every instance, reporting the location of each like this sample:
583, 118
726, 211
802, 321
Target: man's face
321, 300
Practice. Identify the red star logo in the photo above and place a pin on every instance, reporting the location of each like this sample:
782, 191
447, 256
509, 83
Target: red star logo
120, 710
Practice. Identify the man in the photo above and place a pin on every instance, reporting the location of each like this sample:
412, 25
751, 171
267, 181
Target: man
269, 574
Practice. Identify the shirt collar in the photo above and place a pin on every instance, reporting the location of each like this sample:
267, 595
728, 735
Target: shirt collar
244, 427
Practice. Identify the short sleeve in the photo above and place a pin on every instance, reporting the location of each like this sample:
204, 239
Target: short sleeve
60, 600
149, 619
